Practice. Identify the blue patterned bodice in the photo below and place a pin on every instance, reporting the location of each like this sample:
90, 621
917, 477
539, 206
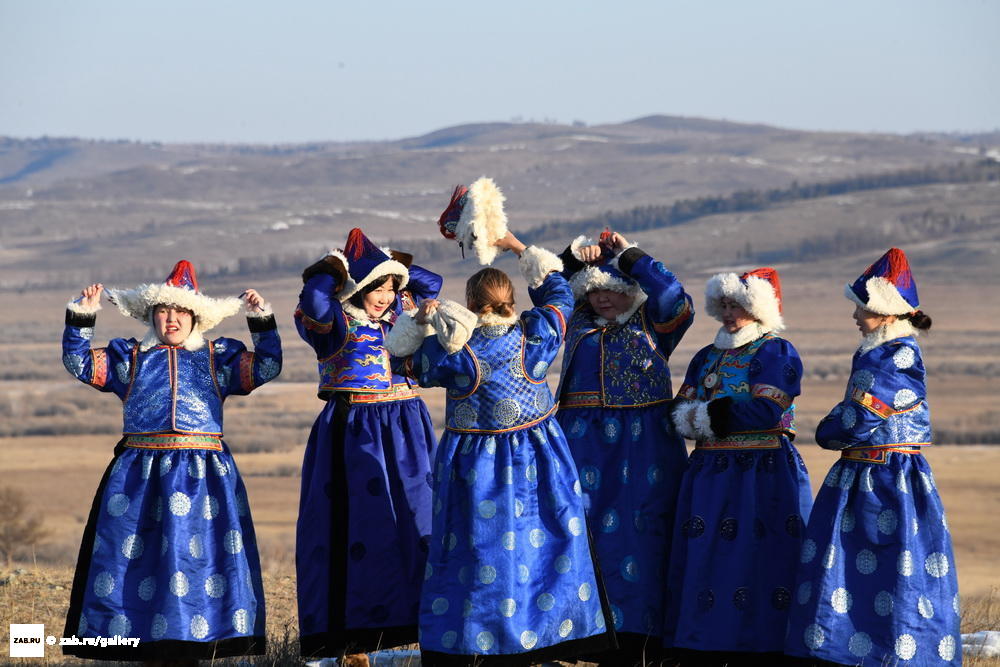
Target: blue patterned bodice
362, 364
173, 390
885, 401
505, 395
614, 366
757, 370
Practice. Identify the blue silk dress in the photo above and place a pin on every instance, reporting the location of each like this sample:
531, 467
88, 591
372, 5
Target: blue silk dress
169, 553
742, 507
510, 577
364, 512
877, 582
613, 407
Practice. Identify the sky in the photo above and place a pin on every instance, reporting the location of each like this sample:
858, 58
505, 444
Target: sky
259, 71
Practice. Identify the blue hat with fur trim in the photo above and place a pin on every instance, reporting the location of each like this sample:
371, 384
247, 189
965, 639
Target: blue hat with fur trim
367, 263
886, 287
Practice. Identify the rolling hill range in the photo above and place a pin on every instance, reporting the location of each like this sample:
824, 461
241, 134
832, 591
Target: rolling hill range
67, 205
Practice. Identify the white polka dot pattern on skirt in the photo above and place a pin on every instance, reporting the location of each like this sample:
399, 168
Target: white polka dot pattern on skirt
906, 646
199, 626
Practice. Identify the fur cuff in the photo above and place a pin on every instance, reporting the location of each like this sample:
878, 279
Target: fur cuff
702, 422
406, 335
536, 263
264, 312
80, 309
580, 241
680, 416
454, 325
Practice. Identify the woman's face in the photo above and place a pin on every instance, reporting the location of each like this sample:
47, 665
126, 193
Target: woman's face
172, 324
609, 304
868, 322
734, 316
379, 299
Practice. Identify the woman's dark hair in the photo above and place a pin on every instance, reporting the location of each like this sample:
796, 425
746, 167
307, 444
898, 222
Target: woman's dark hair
490, 291
358, 299
919, 319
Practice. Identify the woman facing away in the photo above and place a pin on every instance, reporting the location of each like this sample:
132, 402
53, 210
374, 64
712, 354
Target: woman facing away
745, 496
510, 577
364, 513
169, 553
877, 582
631, 312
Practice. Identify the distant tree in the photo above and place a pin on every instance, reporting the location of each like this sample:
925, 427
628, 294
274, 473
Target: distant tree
19, 530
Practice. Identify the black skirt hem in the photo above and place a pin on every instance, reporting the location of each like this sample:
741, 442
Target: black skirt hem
633, 649
567, 651
693, 658
356, 640
172, 649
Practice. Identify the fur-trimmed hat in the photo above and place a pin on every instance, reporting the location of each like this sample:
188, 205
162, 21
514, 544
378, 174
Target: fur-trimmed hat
758, 291
605, 276
475, 218
886, 287
366, 263
179, 289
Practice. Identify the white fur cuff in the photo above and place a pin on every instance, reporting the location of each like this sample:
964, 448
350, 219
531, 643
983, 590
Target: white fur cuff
580, 241
80, 309
454, 325
406, 335
265, 312
702, 422
680, 416
536, 263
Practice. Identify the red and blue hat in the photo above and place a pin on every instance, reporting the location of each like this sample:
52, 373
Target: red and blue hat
179, 289
886, 287
366, 263
757, 291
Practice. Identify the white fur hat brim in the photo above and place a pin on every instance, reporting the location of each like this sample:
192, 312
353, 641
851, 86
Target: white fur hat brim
390, 267
590, 278
883, 298
208, 311
483, 221
756, 296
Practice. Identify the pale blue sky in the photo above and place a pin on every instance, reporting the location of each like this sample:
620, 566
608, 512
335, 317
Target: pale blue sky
289, 71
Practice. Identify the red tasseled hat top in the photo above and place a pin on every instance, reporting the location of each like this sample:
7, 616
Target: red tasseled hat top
183, 275
357, 245
893, 266
453, 212
770, 275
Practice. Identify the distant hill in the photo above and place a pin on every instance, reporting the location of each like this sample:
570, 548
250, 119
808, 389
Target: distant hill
69, 205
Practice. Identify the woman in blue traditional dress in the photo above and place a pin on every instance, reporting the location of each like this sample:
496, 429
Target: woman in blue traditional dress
631, 313
745, 496
169, 554
510, 578
877, 582
364, 513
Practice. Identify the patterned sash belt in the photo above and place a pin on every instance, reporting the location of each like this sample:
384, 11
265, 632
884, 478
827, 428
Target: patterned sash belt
580, 399
742, 441
398, 393
879, 454
174, 441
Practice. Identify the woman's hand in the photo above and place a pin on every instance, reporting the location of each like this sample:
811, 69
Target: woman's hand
90, 297
615, 243
253, 300
589, 253
427, 308
510, 242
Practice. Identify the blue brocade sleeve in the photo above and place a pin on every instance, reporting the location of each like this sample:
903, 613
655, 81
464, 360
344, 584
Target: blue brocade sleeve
423, 284
669, 307
238, 370
434, 367
775, 376
107, 368
884, 381
319, 316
